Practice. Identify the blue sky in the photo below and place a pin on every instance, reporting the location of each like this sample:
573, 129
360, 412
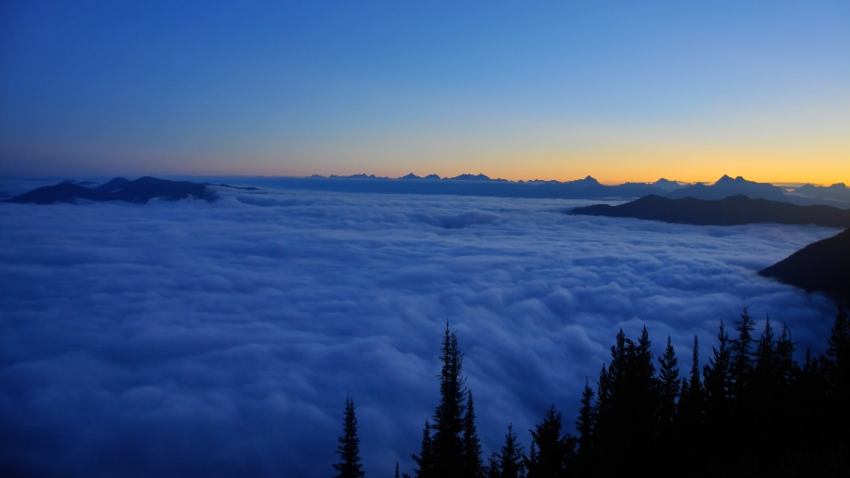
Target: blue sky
553, 90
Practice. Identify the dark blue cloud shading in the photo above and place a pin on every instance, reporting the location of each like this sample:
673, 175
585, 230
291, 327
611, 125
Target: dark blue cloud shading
189, 338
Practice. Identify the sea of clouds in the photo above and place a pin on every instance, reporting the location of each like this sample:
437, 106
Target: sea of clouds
221, 339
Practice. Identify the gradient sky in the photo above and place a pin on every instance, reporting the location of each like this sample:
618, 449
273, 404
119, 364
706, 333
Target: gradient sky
624, 91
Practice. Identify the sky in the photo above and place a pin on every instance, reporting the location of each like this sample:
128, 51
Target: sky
192, 339
623, 91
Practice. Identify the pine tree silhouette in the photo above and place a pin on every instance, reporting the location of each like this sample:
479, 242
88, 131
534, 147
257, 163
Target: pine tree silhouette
742, 362
448, 417
766, 353
349, 445
786, 367
717, 378
425, 459
511, 459
472, 465
690, 409
585, 424
550, 451
668, 378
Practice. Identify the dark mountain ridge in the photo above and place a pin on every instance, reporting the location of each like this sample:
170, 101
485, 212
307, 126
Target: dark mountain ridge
469, 185
730, 211
726, 186
139, 191
823, 266
836, 192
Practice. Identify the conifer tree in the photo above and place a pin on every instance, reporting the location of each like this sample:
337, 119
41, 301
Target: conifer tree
511, 460
669, 384
472, 465
695, 385
742, 363
603, 401
425, 459
644, 359
691, 401
448, 417
717, 381
550, 451
766, 351
837, 374
493, 469
348, 449
586, 423
786, 366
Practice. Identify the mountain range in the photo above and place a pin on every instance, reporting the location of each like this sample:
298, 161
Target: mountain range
729, 211
141, 190
146, 188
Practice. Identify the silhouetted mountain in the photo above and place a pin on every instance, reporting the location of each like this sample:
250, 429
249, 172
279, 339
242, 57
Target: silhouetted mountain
470, 177
836, 192
668, 185
354, 176
587, 182
113, 185
735, 210
80, 183
823, 266
119, 189
413, 176
726, 186
62, 192
464, 185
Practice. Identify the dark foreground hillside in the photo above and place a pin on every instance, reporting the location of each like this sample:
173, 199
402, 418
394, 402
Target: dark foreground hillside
731, 211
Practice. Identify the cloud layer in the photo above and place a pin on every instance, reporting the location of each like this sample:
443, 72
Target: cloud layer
189, 338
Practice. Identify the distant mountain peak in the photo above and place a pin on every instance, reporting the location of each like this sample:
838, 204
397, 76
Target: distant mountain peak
471, 177
667, 185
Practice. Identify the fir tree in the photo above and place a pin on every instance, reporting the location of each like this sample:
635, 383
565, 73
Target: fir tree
669, 383
511, 460
717, 380
837, 375
742, 363
448, 417
786, 366
695, 385
643, 355
425, 459
493, 469
472, 465
766, 352
586, 423
550, 452
348, 449
691, 400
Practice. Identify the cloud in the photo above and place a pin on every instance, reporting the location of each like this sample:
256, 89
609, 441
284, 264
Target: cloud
186, 338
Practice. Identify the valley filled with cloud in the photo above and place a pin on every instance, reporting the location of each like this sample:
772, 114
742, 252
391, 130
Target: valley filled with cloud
189, 338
